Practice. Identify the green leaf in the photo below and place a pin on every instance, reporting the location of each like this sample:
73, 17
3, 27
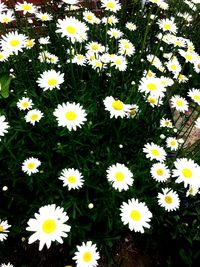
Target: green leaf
5, 80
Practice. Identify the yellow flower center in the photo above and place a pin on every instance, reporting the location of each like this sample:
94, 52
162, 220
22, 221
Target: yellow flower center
135, 215
52, 82
178, 43
72, 179
126, 46
167, 26
71, 29
152, 100
198, 66
34, 117
152, 86
1, 228
14, 43
110, 20
87, 256
188, 57
155, 152
132, 112
173, 67
43, 17
149, 74
179, 102
31, 165
98, 64
94, 46
117, 105
168, 199
119, 176
1, 56
118, 62
49, 226
26, 7
5, 20
29, 43
25, 104
160, 172
197, 97
187, 173
79, 57
70, 115
89, 17
110, 5
173, 143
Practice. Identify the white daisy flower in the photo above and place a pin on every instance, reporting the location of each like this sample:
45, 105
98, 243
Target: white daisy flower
154, 151
192, 191
187, 172
30, 43
3, 125
7, 17
126, 47
194, 94
44, 40
179, 103
154, 101
169, 199
152, 85
33, 116
116, 107
130, 26
26, 7
71, 178
119, 62
50, 79
119, 176
4, 230
70, 115
13, 42
79, 59
73, 29
4, 55
7, 265
172, 143
166, 123
197, 123
190, 56
25, 103
43, 16
136, 214
95, 47
132, 111
114, 32
111, 20
111, 5
155, 61
48, 225
90, 17
86, 255
174, 66
160, 172
167, 25
31, 165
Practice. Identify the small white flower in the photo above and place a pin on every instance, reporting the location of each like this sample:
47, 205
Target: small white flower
71, 178
33, 116
3, 125
86, 255
169, 199
31, 165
